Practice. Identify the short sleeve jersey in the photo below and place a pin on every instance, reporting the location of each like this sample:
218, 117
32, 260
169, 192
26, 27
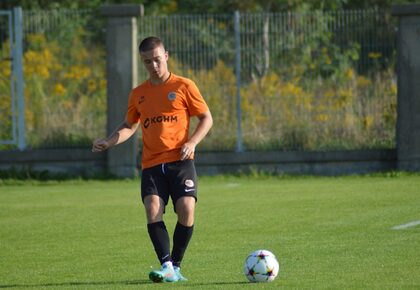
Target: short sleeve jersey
164, 111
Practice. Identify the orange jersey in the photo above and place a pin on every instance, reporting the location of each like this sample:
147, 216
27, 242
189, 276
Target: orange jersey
164, 111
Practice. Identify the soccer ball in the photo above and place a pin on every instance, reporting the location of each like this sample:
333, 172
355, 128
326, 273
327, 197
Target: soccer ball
261, 266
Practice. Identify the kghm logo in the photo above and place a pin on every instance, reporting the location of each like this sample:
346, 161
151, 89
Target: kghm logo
159, 119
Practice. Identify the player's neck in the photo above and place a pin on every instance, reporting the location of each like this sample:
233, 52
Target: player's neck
162, 80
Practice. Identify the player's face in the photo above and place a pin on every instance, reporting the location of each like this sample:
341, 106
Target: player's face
155, 61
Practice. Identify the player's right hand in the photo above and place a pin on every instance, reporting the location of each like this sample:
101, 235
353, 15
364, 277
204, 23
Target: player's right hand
100, 145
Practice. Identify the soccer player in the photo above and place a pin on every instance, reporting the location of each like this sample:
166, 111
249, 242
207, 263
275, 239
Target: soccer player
163, 105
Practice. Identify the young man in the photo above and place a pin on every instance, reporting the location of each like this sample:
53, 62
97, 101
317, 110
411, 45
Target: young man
162, 106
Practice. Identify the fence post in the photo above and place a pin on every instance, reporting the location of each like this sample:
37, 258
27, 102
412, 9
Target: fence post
239, 142
121, 69
18, 72
408, 71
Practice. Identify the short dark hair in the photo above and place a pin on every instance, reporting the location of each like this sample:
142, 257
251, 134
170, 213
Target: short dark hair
150, 43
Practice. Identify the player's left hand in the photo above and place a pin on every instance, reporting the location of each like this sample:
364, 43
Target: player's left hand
187, 150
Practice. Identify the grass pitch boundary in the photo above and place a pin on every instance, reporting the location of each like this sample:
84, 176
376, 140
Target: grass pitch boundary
407, 225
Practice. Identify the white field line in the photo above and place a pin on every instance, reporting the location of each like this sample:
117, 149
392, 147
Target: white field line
407, 225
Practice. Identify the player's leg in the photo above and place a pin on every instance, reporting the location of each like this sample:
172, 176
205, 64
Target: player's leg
155, 196
183, 180
154, 207
185, 207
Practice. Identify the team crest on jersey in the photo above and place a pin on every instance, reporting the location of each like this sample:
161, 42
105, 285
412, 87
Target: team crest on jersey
189, 183
171, 96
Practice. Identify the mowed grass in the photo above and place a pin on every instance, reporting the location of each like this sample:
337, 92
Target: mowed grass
327, 233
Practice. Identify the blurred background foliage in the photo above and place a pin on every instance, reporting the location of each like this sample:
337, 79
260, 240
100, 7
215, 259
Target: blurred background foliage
159, 7
319, 97
65, 83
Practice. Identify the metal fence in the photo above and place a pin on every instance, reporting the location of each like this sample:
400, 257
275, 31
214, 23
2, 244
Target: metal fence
7, 98
12, 126
307, 81
274, 81
268, 40
65, 80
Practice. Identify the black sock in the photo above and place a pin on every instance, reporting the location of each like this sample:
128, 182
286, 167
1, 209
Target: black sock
160, 239
182, 236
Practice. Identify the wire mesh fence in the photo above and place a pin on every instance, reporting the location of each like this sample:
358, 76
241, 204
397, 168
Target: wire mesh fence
301, 81
65, 82
306, 81
7, 96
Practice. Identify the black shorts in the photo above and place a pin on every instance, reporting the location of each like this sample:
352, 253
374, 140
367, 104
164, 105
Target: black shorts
174, 179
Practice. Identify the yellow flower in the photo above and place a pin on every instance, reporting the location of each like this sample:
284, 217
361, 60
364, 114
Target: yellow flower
36, 39
349, 119
46, 56
328, 60
30, 56
393, 89
329, 93
291, 89
39, 63
43, 71
5, 68
367, 121
322, 117
374, 54
345, 93
86, 72
344, 97
91, 86
102, 84
56, 66
28, 70
350, 73
363, 82
78, 72
59, 89
81, 55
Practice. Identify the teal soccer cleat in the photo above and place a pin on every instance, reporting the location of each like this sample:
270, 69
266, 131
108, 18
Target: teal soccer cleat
165, 274
179, 275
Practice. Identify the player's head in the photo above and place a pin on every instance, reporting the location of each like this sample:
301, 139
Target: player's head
154, 57
150, 43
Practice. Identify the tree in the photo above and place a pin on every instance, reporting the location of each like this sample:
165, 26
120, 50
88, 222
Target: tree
151, 6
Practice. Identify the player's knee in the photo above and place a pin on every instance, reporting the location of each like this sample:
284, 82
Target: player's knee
186, 204
185, 207
154, 209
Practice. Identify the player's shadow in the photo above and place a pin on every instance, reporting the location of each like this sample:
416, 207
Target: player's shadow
81, 283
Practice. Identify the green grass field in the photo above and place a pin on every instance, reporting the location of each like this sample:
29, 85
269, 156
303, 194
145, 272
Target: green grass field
327, 233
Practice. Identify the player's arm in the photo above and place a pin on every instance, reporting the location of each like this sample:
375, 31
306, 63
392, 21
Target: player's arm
122, 133
203, 127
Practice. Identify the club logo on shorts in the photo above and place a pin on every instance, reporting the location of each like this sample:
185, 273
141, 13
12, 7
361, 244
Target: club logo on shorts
171, 96
189, 183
